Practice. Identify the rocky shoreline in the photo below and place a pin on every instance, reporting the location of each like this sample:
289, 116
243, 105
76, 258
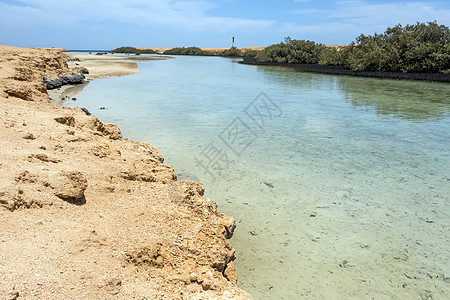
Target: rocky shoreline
86, 214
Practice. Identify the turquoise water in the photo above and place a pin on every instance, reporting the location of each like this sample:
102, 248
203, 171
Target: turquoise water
339, 185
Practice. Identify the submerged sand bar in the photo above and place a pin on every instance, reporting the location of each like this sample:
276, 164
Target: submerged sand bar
100, 67
105, 66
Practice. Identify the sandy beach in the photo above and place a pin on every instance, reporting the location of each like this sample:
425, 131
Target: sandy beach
86, 214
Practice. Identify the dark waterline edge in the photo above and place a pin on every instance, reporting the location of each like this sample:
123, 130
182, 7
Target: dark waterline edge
340, 70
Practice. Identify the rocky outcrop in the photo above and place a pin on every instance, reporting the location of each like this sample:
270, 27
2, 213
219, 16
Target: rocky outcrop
22, 70
69, 185
92, 215
74, 76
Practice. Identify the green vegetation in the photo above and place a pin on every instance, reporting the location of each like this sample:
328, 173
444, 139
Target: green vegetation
423, 47
232, 52
250, 53
188, 51
132, 50
292, 52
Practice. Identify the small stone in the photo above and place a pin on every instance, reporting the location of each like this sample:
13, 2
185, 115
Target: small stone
29, 136
206, 285
13, 294
86, 111
70, 185
74, 99
69, 121
269, 184
193, 277
115, 282
113, 285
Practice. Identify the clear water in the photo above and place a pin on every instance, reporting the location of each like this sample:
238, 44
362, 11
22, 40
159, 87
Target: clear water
339, 185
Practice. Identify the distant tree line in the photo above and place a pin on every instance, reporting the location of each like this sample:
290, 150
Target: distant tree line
232, 52
132, 50
188, 51
423, 47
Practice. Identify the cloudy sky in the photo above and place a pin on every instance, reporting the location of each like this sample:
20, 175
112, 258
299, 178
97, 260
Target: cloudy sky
107, 24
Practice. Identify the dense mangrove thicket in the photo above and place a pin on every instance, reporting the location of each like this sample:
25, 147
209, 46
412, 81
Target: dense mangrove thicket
423, 47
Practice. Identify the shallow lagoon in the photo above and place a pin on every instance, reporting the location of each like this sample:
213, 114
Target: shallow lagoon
339, 185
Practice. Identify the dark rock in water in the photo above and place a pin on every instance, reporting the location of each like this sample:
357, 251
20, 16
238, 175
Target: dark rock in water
74, 99
74, 76
268, 184
86, 111
102, 107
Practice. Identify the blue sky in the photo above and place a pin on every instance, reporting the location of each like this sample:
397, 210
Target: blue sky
100, 24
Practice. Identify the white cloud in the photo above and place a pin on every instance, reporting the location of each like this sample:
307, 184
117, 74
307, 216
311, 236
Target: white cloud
183, 15
353, 17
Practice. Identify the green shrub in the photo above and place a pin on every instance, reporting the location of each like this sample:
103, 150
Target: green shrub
250, 53
132, 50
188, 51
422, 47
335, 56
292, 51
233, 52
413, 48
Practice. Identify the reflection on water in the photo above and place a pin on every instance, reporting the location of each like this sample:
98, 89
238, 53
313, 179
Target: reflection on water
413, 101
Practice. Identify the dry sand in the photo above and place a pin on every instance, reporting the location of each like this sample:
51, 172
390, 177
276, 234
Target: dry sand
84, 214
